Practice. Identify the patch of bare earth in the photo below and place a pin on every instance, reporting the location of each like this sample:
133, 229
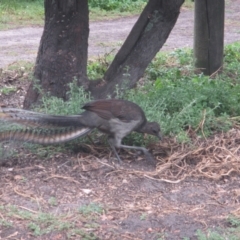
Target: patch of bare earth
81, 192
189, 189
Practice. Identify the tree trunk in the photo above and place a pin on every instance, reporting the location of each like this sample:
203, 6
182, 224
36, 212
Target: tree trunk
209, 35
62, 54
146, 38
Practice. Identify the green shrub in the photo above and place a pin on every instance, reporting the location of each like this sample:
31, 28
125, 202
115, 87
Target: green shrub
120, 5
54, 105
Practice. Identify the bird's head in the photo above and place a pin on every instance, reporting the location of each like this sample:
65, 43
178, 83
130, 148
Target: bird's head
152, 128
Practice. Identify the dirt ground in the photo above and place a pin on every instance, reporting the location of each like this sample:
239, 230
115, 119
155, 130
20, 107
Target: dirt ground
82, 184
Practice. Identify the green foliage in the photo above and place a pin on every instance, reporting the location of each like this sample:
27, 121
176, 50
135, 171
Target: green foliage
7, 90
31, 12
52, 201
143, 216
234, 221
41, 223
21, 11
96, 69
120, 5
17, 13
219, 234
12, 5
232, 53
92, 208
77, 98
178, 98
231, 66
230, 233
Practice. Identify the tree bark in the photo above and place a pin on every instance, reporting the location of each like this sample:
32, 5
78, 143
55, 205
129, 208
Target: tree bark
209, 35
62, 55
146, 38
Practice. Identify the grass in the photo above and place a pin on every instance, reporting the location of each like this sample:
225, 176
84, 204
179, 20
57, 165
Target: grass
88, 209
230, 233
183, 98
41, 223
7, 90
85, 218
31, 12
16, 13
110, 9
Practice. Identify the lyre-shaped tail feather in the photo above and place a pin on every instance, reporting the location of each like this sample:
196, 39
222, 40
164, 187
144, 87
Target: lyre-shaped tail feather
43, 136
34, 119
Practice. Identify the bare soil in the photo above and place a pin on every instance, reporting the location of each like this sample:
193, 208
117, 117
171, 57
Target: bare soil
135, 204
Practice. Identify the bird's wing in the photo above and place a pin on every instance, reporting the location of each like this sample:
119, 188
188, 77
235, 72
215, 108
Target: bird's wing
115, 108
102, 108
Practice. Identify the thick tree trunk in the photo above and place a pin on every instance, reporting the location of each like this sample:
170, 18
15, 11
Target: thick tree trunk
146, 38
209, 35
62, 54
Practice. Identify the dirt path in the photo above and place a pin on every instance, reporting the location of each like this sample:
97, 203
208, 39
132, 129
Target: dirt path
22, 44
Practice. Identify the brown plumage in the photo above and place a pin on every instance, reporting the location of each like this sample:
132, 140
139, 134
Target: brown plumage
116, 118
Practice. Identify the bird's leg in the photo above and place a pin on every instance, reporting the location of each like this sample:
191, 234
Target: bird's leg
144, 150
116, 142
114, 150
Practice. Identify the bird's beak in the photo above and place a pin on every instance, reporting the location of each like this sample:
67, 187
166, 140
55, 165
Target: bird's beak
159, 136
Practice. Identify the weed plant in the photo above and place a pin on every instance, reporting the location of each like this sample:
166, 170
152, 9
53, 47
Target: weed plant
77, 98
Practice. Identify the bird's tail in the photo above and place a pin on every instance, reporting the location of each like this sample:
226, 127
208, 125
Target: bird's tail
34, 119
41, 128
43, 136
